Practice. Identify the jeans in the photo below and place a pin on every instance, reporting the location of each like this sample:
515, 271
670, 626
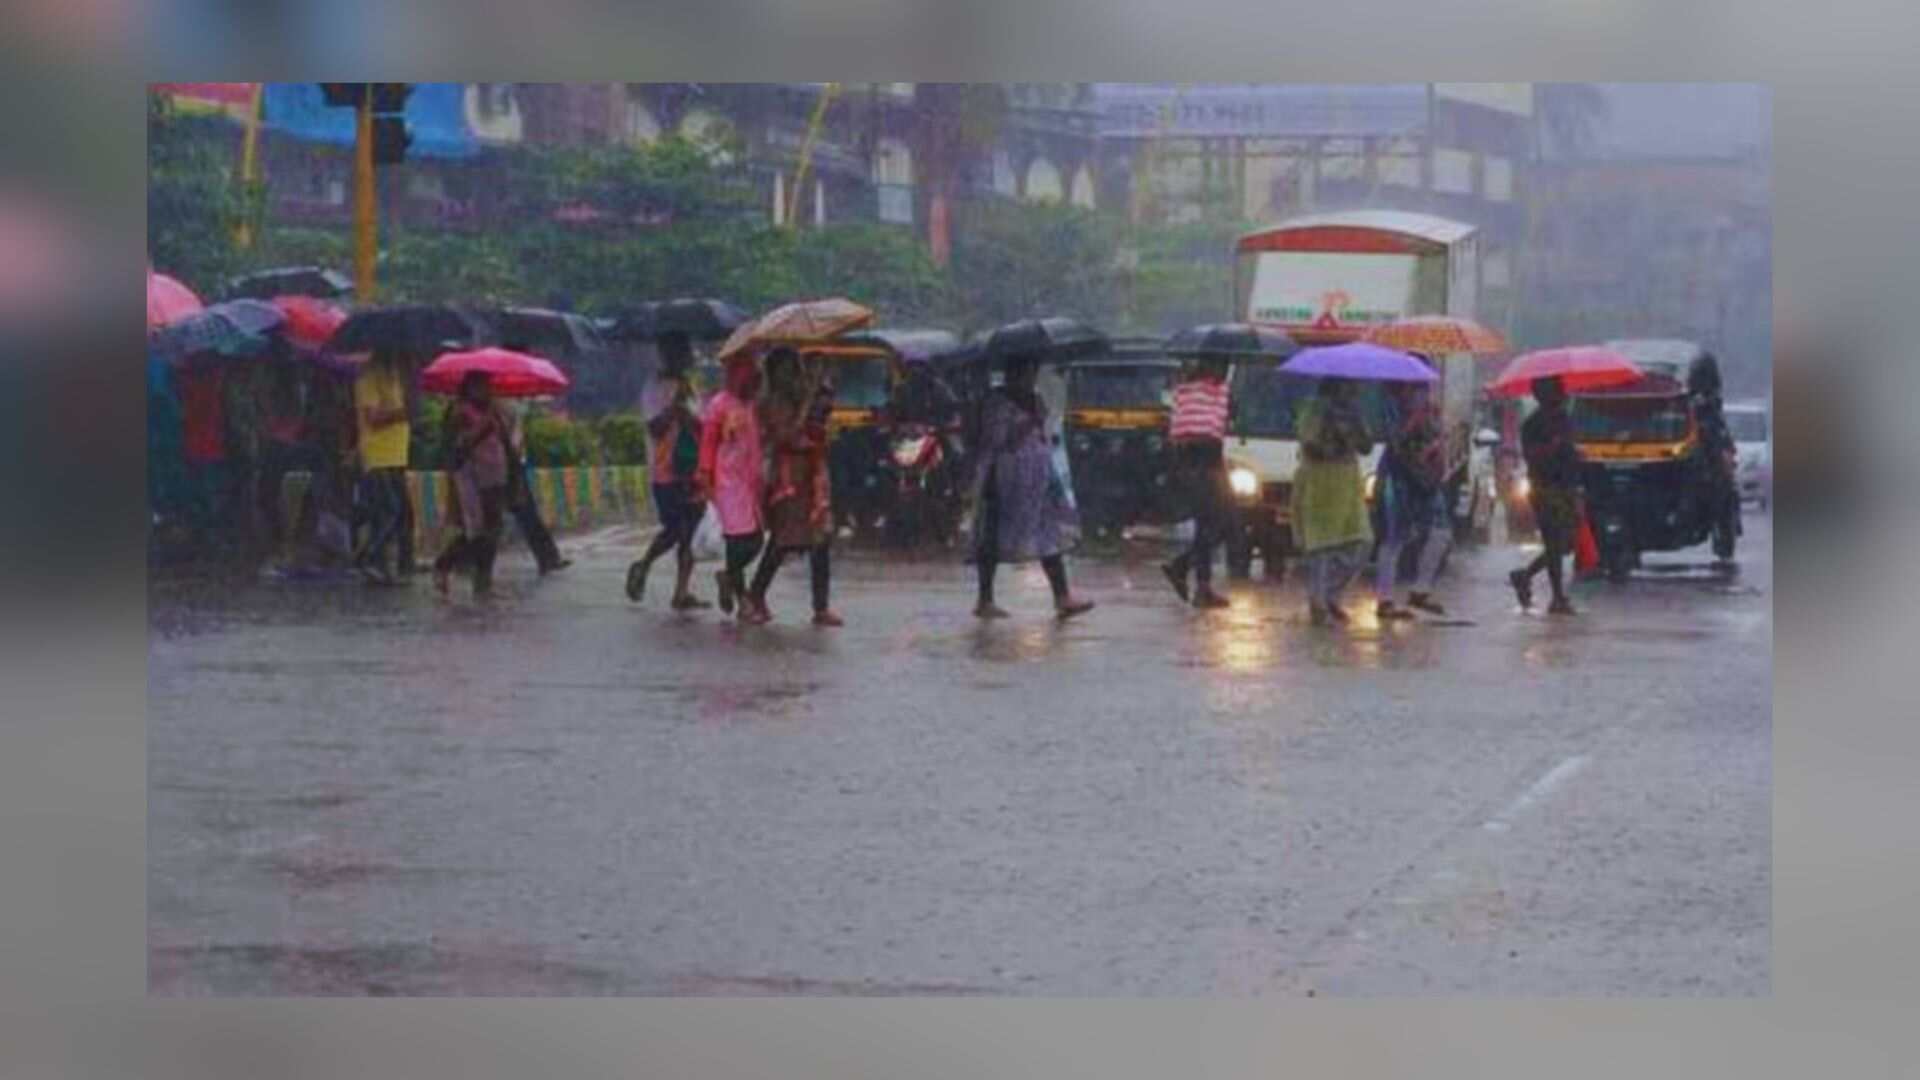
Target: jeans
391, 511
1329, 570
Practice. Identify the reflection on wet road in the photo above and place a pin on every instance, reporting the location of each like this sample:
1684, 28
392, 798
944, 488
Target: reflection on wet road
359, 791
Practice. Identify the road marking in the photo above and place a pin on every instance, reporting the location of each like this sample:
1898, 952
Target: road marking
1555, 776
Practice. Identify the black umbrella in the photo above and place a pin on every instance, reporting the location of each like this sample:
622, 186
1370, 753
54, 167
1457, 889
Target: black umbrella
555, 335
938, 346
699, 320
1231, 341
1052, 340
426, 329
314, 281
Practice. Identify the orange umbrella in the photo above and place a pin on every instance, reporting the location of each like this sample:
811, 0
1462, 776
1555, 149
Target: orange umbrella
168, 301
804, 323
1439, 335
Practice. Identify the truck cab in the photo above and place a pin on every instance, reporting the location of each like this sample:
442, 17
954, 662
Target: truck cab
1325, 279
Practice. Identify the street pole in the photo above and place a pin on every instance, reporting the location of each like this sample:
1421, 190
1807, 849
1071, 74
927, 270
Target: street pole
365, 213
249, 169
827, 94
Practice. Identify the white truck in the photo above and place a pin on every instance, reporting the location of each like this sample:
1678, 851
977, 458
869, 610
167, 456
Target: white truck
1326, 279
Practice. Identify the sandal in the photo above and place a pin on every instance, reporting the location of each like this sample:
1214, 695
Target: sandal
989, 611
1176, 579
1522, 588
1072, 608
637, 582
1423, 602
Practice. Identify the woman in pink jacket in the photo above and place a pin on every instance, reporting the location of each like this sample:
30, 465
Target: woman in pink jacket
732, 477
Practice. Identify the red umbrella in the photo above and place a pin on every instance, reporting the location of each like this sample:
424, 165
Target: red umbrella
168, 301
310, 322
513, 374
1578, 367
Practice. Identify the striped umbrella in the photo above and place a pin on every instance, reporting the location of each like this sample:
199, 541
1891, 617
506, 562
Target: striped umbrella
1439, 335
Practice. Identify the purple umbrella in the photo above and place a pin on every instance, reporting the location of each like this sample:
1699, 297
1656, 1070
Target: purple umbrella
1360, 360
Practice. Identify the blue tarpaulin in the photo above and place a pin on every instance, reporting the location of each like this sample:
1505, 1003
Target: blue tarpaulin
436, 117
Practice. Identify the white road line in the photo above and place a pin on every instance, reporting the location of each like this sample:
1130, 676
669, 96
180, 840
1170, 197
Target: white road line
1555, 776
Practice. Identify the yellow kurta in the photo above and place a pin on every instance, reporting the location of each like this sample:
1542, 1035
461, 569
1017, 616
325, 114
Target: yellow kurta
1329, 497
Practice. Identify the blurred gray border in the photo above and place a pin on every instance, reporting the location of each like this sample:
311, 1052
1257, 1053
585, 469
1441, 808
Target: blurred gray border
1847, 747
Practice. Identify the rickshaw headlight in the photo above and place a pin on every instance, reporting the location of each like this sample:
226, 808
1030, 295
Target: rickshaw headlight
1244, 483
1522, 488
1373, 482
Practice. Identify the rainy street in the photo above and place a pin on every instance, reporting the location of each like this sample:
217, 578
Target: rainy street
367, 791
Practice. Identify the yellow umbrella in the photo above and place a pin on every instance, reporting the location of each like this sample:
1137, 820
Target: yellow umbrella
1439, 335
807, 322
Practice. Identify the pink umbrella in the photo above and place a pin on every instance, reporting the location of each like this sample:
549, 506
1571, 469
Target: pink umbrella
512, 374
168, 301
1578, 367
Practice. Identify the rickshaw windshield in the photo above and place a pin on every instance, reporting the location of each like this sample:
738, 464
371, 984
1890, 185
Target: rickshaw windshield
1114, 386
1265, 401
1630, 419
860, 383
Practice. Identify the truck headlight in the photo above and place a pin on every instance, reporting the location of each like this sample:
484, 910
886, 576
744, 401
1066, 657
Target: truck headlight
1373, 481
1244, 483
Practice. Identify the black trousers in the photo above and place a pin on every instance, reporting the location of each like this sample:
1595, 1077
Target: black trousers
820, 559
478, 552
1203, 471
526, 513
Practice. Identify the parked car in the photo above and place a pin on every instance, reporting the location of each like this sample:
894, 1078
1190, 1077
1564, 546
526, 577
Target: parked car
1752, 429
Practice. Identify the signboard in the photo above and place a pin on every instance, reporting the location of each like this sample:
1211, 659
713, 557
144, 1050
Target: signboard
1332, 290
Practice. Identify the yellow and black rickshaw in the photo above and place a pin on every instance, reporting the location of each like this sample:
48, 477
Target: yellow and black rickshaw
1118, 409
1647, 472
866, 369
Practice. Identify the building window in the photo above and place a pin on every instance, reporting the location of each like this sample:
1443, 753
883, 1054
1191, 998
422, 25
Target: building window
892, 162
1497, 179
1453, 171
1343, 159
1043, 182
1083, 188
1399, 162
896, 203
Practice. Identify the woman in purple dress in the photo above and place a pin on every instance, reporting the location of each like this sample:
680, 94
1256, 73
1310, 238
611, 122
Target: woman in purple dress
1020, 501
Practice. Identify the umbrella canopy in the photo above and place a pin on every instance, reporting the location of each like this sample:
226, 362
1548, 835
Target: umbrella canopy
168, 301
315, 281
513, 374
1439, 335
543, 332
1360, 360
428, 328
1578, 367
912, 346
1054, 339
311, 323
231, 330
1231, 341
698, 319
803, 323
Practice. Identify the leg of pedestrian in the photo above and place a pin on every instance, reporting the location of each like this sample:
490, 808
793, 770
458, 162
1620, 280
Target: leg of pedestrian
822, 568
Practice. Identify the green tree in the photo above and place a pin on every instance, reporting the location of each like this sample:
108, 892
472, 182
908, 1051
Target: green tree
1014, 261
193, 204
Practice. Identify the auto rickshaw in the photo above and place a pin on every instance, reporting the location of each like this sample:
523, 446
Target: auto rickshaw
865, 369
1646, 469
1118, 409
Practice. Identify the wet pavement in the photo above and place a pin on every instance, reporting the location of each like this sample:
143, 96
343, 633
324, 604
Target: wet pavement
367, 791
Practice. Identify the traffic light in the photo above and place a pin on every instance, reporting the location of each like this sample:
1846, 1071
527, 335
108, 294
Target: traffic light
388, 102
391, 97
343, 95
390, 140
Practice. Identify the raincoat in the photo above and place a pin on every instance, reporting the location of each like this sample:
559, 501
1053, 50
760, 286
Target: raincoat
731, 464
1329, 499
1015, 481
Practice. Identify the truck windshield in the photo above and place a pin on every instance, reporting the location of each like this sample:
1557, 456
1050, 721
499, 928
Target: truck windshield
1264, 401
1747, 425
1115, 386
860, 384
1630, 419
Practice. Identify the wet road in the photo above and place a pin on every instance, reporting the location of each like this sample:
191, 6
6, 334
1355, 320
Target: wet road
357, 791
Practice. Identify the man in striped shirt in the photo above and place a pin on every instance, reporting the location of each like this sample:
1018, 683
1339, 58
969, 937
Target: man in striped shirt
1199, 431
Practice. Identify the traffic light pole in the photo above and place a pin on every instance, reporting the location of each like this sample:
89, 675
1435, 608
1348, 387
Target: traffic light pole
365, 211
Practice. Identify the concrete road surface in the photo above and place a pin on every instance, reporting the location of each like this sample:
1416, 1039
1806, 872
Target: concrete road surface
367, 791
